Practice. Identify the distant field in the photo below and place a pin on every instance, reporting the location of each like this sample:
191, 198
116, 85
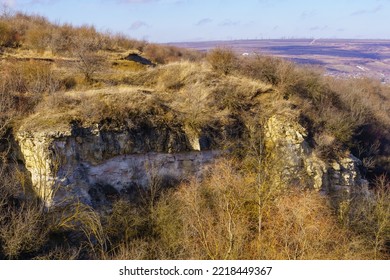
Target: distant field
352, 58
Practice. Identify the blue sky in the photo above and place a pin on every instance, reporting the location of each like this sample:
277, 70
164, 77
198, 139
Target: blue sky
201, 20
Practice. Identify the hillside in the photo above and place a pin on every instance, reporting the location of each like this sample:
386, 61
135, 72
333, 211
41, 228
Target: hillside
113, 148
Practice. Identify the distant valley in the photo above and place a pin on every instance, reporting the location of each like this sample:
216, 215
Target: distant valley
340, 58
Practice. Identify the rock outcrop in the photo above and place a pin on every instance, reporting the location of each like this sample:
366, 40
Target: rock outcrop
93, 163
139, 59
296, 163
84, 163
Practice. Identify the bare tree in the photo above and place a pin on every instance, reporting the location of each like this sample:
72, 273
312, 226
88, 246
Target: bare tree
85, 48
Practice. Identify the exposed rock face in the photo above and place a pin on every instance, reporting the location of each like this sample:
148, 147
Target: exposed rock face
92, 163
40, 161
290, 154
296, 162
84, 162
345, 180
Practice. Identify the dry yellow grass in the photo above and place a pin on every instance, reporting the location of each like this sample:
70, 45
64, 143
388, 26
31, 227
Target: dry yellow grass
189, 91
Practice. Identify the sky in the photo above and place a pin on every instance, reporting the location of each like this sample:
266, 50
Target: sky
164, 21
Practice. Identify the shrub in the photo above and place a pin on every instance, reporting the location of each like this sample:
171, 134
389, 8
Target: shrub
69, 82
89, 63
39, 38
370, 217
6, 111
212, 215
222, 60
23, 231
121, 41
9, 37
225, 216
34, 77
124, 223
62, 39
22, 219
86, 44
165, 54
83, 222
263, 68
26, 82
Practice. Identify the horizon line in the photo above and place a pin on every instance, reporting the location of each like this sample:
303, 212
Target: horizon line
278, 39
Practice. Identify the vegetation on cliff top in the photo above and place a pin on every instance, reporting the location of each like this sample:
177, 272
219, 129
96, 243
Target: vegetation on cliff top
53, 75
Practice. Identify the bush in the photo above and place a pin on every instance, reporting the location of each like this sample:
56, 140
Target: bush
227, 217
9, 37
23, 230
370, 217
39, 38
22, 219
62, 39
122, 42
69, 82
263, 68
301, 225
23, 83
34, 77
166, 54
124, 223
7, 111
222, 60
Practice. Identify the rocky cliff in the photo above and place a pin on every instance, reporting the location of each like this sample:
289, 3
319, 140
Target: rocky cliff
92, 164
295, 162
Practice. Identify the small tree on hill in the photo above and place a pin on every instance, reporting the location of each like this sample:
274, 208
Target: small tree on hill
86, 48
222, 60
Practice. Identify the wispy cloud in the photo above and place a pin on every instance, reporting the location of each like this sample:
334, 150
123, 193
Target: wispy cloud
204, 21
138, 24
367, 11
318, 28
229, 22
307, 14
